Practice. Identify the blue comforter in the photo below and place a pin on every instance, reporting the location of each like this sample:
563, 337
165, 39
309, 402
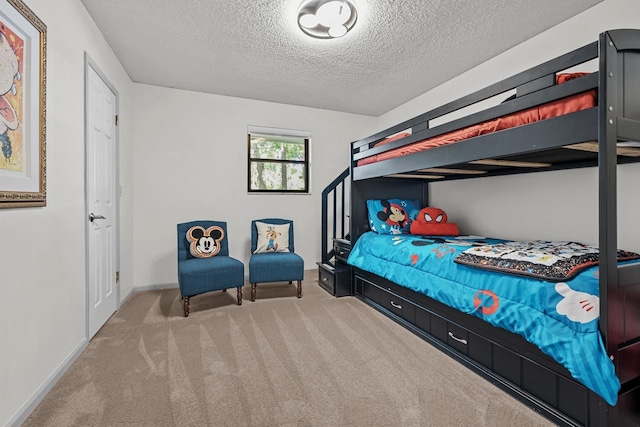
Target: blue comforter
561, 318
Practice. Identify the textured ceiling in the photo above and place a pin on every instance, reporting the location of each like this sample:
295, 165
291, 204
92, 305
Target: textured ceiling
254, 49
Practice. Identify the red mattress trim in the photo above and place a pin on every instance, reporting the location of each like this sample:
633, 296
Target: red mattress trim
570, 104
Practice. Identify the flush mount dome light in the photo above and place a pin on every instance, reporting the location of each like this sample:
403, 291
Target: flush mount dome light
327, 19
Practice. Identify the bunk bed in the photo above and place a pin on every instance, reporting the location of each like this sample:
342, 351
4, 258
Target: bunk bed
603, 131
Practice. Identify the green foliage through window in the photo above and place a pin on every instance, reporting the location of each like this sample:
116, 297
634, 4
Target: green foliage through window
278, 163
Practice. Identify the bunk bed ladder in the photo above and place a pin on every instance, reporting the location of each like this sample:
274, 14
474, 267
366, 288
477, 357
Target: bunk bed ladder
335, 223
338, 185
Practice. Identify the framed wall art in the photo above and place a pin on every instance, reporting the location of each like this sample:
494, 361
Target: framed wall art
23, 46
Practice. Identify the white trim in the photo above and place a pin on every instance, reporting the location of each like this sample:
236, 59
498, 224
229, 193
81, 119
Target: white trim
90, 63
156, 287
42, 391
147, 288
37, 397
264, 130
129, 295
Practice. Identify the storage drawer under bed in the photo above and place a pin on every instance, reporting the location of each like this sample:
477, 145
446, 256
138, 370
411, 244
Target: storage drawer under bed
387, 299
548, 386
455, 336
335, 280
326, 279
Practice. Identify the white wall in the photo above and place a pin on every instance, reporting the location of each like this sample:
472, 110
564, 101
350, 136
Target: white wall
190, 159
42, 255
42, 250
550, 205
185, 154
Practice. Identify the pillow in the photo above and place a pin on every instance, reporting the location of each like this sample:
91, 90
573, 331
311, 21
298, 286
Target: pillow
392, 216
204, 243
433, 222
272, 238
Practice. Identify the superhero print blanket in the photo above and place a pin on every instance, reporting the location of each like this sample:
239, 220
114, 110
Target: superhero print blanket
555, 261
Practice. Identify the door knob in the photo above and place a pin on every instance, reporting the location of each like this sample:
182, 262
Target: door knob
93, 217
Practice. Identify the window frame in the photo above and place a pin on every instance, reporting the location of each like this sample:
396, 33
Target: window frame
306, 163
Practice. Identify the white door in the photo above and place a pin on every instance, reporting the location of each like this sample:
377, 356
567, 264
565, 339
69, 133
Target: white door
101, 201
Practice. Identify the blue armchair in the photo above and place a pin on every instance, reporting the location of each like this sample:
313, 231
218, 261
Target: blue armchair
204, 264
272, 256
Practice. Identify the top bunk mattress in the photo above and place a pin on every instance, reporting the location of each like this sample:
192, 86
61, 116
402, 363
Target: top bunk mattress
570, 104
559, 317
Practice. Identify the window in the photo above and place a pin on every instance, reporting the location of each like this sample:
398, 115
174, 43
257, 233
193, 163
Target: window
278, 161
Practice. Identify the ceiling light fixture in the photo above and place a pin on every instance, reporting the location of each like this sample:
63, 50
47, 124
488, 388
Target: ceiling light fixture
327, 19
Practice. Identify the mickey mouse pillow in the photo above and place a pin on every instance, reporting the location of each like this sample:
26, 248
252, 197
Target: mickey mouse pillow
204, 243
392, 216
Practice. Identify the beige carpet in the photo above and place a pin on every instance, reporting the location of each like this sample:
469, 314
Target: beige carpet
278, 361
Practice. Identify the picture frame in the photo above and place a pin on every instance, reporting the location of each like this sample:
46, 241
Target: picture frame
23, 46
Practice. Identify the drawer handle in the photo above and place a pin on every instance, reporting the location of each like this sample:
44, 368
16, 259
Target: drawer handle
398, 306
341, 253
324, 279
460, 340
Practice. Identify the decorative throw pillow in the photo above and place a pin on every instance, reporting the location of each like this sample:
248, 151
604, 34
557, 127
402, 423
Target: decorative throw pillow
204, 243
392, 216
272, 238
433, 222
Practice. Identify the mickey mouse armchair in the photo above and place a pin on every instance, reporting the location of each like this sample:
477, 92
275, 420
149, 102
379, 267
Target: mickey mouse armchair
272, 254
204, 264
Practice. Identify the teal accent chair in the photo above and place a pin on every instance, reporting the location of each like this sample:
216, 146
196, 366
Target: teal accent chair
274, 267
200, 275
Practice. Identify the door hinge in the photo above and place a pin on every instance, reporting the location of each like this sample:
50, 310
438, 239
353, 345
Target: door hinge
117, 120
117, 277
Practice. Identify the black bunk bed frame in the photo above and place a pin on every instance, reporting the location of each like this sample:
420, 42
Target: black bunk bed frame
504, 358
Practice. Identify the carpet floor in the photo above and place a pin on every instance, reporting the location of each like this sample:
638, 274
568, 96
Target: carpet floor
277, 361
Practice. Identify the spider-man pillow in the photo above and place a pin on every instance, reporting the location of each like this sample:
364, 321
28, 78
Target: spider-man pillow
392, 216
433, 222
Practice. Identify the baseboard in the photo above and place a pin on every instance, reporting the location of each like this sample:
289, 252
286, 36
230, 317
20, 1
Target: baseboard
24, 412
125, 299
147, 288
31, 404
154, 287
307, 273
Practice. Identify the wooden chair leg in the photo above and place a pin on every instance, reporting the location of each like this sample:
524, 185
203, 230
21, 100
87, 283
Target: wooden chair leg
239, 295
299, 288
253, 291
185, 306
